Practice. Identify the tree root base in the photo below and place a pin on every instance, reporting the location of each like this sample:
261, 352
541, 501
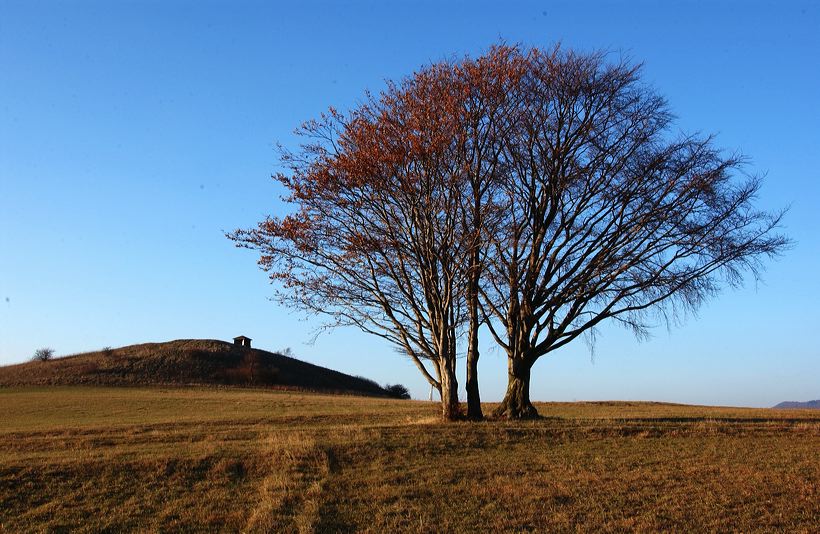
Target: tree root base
516, 412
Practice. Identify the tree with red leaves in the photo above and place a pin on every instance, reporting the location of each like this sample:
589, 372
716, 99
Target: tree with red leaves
377, 240
536, 192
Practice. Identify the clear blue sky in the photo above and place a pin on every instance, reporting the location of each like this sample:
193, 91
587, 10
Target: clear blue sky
133, 133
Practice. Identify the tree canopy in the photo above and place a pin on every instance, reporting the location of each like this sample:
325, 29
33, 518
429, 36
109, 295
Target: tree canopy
537, 192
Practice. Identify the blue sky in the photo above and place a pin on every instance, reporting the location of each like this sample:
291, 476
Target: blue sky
132, 134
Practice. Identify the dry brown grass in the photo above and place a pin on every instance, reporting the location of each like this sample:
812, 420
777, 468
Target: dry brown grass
86, 459
185, 362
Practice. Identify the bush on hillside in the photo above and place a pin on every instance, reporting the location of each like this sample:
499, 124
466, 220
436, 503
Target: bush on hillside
397, 391
43, 355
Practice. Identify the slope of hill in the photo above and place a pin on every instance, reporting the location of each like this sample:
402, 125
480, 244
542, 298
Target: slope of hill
788, 405
185, 362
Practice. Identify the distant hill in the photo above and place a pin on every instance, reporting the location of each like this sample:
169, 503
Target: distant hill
813, 404
186, 362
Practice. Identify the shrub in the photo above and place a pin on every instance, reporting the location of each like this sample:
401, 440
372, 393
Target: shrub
107, 352
397, 391
43, 355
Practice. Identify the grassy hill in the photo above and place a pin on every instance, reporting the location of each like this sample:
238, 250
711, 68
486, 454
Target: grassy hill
794, 405
85, 459
185, 362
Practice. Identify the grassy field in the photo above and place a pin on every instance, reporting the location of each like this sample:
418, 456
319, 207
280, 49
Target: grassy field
92, 459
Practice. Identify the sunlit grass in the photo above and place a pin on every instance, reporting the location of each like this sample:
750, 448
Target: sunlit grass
254, 460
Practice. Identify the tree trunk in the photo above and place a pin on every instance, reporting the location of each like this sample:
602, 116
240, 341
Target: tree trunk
450, 409
473, 395
516, 403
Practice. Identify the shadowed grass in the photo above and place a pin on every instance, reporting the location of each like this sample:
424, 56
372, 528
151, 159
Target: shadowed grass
90, 459
186, 362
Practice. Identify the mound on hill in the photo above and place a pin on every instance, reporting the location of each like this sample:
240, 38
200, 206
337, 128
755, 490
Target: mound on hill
185, 362
792, 405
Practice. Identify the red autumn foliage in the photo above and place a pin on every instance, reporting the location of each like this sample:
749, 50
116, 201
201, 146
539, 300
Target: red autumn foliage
537, 192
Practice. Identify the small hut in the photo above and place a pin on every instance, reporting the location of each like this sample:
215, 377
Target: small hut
242, 341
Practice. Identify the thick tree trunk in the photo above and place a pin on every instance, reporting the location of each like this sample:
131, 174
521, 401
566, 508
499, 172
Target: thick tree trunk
450, 409
516, 403
473, 395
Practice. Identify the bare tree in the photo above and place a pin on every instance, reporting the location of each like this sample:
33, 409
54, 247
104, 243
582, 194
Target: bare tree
608, 215
376, 239
538, 192
43, 355
488, 84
